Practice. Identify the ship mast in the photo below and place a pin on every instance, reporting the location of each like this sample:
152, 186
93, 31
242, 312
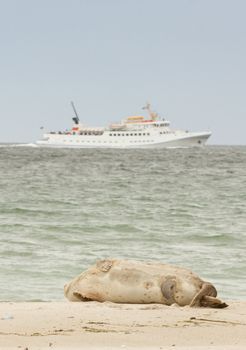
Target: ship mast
152, 114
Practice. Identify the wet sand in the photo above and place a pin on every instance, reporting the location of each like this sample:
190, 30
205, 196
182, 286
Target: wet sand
93, 325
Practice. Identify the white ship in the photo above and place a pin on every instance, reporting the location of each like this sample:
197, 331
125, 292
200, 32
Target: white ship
132, 132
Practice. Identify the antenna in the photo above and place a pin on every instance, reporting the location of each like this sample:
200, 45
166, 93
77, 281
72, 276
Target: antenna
76, 119
147, 106
152, 114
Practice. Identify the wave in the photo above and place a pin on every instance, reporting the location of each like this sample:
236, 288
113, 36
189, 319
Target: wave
11, 145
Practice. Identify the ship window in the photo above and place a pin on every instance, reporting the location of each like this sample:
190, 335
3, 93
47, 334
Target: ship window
110, 134
135, 134
144, 134
119, 134
131, 134
127, 134
148, 133
139, 134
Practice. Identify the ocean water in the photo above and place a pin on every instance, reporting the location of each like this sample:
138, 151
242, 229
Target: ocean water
61, 210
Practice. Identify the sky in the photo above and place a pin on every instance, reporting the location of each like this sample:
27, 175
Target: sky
186, 57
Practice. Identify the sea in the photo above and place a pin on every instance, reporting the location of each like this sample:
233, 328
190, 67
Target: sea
61, 210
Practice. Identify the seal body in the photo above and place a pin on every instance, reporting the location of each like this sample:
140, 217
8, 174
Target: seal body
127, 281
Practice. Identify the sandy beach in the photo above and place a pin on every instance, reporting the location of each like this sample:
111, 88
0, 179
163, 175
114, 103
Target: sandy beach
93, 325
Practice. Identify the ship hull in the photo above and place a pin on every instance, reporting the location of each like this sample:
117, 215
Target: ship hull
184, 141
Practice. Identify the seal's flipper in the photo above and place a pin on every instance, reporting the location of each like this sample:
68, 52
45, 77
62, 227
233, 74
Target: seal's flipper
208, 301
168, 288
207, 290
104, 265
79, 297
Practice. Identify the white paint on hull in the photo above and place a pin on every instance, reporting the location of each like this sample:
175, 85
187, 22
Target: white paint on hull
105, 141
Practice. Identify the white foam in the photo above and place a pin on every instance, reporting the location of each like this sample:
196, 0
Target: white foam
9, 145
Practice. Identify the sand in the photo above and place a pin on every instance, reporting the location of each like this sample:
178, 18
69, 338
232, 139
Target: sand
93, 325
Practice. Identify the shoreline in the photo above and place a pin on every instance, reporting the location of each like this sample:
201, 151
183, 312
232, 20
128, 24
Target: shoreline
93, 325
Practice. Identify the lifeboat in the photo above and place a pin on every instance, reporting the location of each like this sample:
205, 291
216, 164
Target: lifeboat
135, 119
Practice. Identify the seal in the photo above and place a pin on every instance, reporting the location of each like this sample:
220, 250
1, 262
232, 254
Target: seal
129, 281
